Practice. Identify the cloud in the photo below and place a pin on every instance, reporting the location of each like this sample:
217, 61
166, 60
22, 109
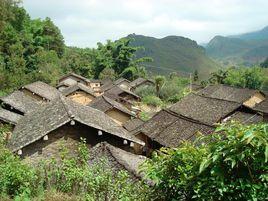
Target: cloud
85, 22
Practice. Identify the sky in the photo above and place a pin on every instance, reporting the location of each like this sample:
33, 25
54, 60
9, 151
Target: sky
83, 23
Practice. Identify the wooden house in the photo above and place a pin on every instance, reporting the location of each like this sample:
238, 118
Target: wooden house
74, 79
61, 123
140, 82
124, 96
122, 82
20, 103
79, 93
119, 113
40, 91
193, 114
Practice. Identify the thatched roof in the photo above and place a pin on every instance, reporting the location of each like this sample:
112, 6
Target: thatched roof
77, 87
9, 117
245, 118
116, 158
43, 90
203, 109
104, 104
139, 81
133, 124
20, 102
228, 93
262, 107
57, 113
170, 129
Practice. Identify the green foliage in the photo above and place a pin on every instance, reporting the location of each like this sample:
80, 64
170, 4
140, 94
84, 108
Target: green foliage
252, 78
230, 164
159, 81
120, 57
152, 100
71, 175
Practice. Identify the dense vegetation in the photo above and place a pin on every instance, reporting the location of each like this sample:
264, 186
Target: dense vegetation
245, 49
230, 164
174, 53
34, 49
253, 78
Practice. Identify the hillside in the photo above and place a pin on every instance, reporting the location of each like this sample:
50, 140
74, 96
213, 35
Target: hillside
246, 49
174, 53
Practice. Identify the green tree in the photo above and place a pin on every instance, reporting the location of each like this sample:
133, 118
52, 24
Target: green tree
159, 82
265, 63
107, 73
196, 75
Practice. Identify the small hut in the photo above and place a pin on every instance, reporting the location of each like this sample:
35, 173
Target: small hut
119, 113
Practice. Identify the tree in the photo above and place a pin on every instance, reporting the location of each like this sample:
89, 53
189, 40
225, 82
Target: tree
119, 56
265, 63
195, 75
218, 77
159, 82
107, 73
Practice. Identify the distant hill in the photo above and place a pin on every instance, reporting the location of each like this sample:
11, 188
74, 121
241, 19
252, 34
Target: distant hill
174, 53
247, 49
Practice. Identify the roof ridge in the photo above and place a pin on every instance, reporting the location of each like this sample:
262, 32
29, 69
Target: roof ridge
187, 118
204, 96
66, 107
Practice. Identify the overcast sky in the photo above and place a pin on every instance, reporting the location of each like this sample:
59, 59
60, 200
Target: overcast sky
85, 22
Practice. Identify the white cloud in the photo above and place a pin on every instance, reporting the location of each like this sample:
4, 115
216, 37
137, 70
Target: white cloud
86, 22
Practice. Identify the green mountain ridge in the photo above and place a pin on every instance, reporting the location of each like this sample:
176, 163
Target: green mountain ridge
174, 53
246, 49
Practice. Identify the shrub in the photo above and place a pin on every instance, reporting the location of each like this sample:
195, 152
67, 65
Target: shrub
152, 100
144, 91
231, 164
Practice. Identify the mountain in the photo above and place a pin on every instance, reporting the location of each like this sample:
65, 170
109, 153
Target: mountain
247, 49
174, 54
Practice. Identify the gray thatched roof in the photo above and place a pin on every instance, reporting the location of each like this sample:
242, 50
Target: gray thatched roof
9, 117
133, 124
228, 93
120, 80
139, 81
263, 106
116, 158
21, 102
39, 123
43, 90
245, 118
203, 109
77, 87
169, 129
116, 92
74, 75
104, 104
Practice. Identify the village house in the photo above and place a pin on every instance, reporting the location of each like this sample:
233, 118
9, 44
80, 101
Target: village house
133, 124
61, 123
124, 96
263, 108
119, 113
186, 118
40, 91
79, 93
122, 82
73, 79
140, 82
20, 103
